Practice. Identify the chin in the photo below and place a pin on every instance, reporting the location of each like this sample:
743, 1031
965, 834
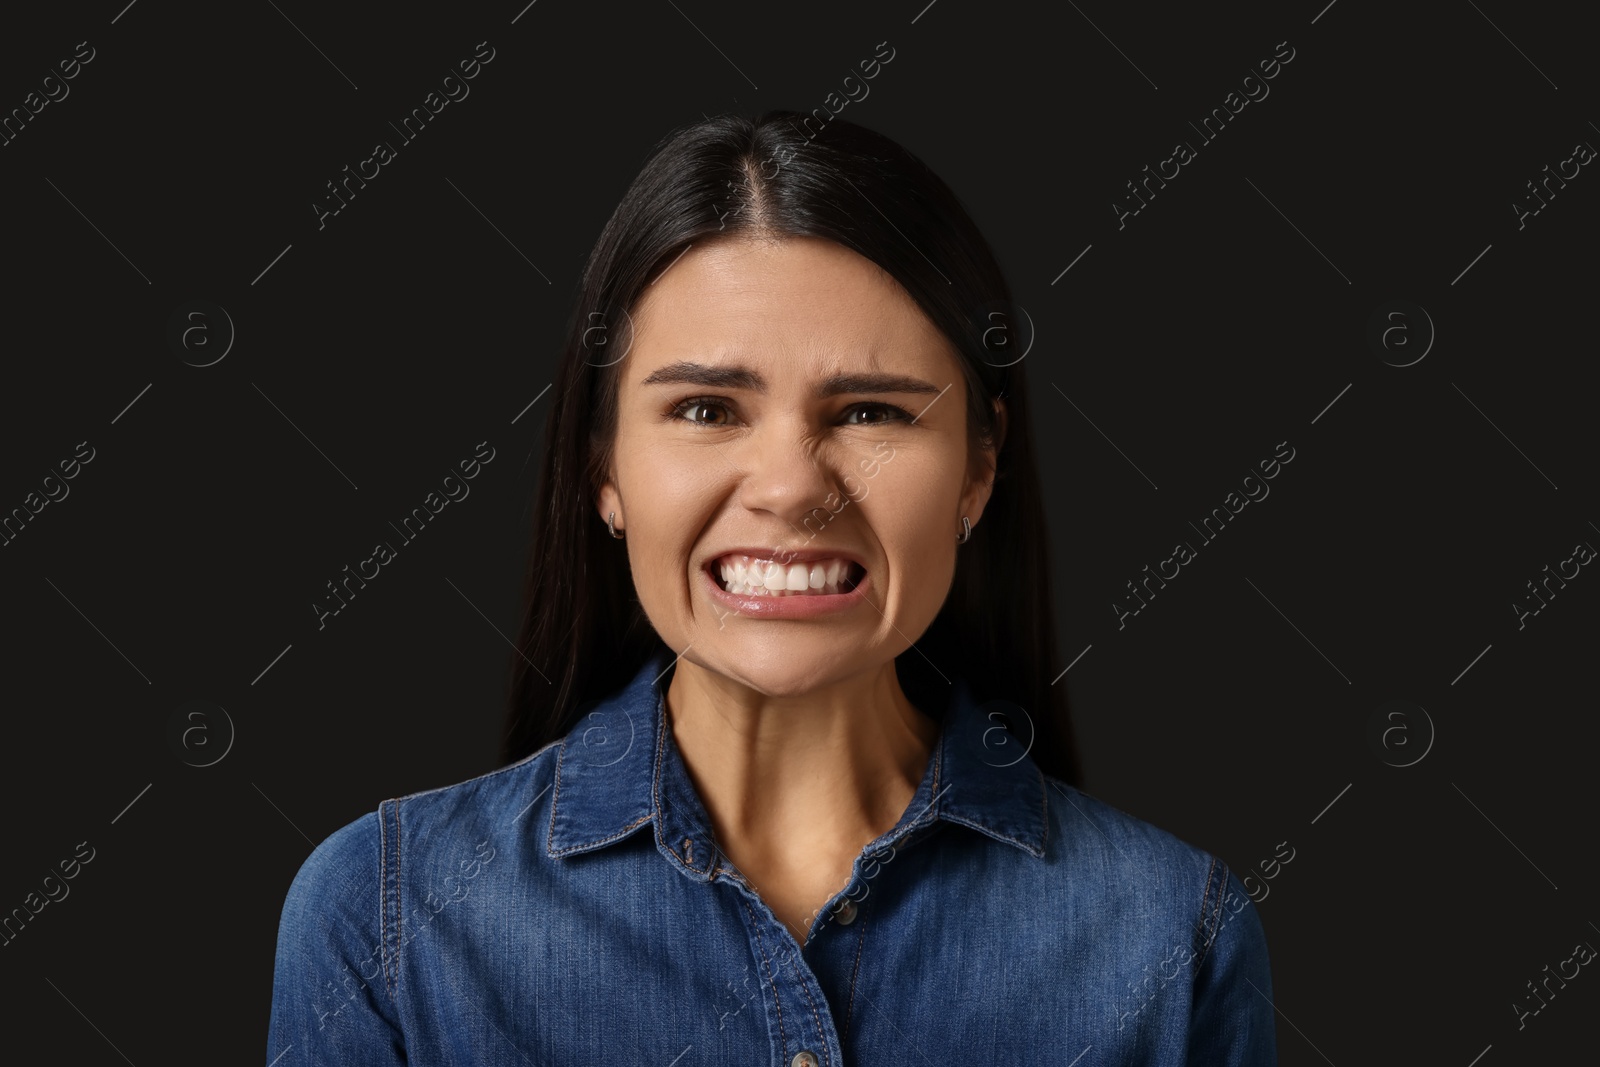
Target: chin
787, 672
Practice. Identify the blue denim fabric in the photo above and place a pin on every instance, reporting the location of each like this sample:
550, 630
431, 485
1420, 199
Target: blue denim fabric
573, 908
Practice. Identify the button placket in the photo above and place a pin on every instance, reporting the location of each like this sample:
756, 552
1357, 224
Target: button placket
800, 1022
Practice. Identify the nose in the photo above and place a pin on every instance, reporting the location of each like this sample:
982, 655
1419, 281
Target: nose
788, 473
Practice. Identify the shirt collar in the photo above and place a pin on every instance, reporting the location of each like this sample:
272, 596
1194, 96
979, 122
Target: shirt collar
618, 769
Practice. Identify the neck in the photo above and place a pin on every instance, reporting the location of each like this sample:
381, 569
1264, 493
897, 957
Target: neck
799, 778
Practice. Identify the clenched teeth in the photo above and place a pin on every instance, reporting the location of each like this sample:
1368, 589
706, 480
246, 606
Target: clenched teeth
748, 576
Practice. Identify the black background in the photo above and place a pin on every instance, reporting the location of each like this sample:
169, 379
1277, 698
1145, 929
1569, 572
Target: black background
1234, 710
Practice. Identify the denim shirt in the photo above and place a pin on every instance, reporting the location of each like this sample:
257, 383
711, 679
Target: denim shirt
574, 909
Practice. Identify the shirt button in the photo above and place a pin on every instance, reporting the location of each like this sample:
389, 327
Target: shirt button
803, 1059
846, 913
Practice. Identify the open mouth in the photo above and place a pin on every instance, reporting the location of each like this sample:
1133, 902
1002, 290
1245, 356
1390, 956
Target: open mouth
749, 576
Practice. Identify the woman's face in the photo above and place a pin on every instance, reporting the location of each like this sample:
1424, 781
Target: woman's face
787, 411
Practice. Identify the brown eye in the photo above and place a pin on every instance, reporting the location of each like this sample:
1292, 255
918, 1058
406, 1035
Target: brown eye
691, 410
887, 413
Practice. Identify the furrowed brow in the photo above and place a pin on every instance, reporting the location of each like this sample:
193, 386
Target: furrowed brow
874, 383
688, 372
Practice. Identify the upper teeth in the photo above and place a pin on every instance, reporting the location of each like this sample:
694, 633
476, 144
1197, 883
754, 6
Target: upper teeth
748, 575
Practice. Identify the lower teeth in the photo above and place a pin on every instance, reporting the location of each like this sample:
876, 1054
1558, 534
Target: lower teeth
761, 590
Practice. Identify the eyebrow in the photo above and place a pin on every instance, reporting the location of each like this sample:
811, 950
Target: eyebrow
688, 372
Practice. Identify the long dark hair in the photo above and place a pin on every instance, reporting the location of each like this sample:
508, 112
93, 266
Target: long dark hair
584, 634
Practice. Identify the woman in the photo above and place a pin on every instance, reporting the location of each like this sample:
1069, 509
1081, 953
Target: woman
790, 782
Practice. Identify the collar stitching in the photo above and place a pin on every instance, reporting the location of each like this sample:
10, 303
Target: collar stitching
662, 726
584, 846
555, 799
1026, 846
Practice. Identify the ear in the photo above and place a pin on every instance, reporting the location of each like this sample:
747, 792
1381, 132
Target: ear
980, 479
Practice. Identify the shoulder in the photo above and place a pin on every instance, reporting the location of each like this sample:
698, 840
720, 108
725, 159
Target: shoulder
372, 886
1179, 940
1140, 866
348, 868
1083, 824
496, 800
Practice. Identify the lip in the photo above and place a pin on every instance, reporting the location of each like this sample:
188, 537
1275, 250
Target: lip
787, 607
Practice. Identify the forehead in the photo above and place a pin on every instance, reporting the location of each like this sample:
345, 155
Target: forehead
788, 303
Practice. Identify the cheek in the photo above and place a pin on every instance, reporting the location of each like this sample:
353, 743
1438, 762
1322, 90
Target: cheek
669, 496
911, 511
657, 481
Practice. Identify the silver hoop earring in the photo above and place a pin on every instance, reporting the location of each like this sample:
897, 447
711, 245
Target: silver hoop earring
966, 532
611, 527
